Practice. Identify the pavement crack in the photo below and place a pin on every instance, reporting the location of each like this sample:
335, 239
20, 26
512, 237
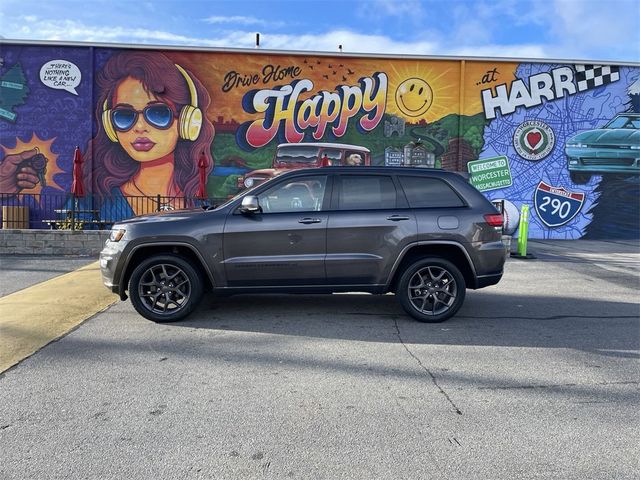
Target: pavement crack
434, 380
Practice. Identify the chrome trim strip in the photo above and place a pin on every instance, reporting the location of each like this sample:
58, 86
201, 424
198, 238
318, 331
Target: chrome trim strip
320, 286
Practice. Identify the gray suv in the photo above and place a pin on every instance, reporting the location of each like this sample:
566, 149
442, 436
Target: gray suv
424, 234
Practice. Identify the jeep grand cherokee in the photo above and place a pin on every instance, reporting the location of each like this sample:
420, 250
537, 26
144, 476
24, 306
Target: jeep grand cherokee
426, 235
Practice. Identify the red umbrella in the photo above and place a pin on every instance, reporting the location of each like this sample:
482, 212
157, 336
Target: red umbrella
77, 188
202, 187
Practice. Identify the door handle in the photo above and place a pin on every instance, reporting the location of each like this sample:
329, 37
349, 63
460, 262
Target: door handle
309, 220
397, 218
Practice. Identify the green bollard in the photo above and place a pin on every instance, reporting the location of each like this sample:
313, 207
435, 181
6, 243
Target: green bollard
523, 231
523, 234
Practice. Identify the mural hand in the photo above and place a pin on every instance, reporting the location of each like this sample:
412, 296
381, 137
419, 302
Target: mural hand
16, 173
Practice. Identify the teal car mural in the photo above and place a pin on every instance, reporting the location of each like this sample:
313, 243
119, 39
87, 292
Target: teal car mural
614, 148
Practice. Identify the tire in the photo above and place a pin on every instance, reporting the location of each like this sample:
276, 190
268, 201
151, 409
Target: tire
431, 290
580, 178
165, 288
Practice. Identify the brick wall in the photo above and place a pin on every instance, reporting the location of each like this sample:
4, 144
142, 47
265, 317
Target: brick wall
52, 242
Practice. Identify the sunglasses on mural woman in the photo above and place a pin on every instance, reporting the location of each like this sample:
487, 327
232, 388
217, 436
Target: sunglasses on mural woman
158, 115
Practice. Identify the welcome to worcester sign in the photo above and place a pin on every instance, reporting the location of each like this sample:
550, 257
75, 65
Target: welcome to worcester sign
490, 173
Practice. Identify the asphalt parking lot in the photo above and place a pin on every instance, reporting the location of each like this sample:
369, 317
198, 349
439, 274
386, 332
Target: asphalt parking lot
536, 377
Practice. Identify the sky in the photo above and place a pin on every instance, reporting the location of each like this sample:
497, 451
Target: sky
541, 29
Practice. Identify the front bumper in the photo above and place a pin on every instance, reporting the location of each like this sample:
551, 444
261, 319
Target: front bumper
109, 260
606, 160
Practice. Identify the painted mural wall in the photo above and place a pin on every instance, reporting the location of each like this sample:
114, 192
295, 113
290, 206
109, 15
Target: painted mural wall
563, 138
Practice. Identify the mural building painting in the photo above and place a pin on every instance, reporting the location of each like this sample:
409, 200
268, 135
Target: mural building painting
562, 138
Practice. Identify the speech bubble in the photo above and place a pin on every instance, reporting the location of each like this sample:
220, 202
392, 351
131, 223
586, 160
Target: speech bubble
61, 75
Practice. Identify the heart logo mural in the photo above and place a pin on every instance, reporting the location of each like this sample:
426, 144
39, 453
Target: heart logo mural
533, 140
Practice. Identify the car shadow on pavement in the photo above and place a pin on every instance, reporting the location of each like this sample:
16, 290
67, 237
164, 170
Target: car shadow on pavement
608, 327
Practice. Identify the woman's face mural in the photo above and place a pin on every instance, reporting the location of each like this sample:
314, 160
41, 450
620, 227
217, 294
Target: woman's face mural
146, 128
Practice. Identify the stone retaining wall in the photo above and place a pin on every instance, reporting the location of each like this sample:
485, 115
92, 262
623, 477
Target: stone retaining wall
52, 242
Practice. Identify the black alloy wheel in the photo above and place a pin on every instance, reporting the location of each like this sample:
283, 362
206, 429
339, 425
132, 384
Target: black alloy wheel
165, 288
431, 290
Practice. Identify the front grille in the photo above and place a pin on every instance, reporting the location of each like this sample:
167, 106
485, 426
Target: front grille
610, 147
614, 162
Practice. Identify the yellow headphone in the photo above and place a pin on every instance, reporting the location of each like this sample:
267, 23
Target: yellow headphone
189, 120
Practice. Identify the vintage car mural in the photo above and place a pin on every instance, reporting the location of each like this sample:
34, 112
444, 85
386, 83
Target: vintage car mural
290, 156
614, 148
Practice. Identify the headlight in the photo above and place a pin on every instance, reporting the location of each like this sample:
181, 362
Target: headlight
116, 235
577, 145
635, 147
248, 182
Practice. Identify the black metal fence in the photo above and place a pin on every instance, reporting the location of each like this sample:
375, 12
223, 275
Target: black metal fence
92, 212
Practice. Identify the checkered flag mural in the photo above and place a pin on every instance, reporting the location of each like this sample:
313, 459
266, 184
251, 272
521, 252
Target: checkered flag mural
591, 76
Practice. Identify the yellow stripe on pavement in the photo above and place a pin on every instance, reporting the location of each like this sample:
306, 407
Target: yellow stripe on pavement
35, 316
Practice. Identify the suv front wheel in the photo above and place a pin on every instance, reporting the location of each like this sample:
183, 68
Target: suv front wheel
431, 289
165, 288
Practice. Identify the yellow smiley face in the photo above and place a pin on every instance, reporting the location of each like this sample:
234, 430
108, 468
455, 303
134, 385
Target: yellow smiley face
414, 97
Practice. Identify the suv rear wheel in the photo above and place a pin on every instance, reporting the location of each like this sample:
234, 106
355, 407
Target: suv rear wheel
165, 288
431, 289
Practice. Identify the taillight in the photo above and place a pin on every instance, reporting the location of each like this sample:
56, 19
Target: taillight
493, 219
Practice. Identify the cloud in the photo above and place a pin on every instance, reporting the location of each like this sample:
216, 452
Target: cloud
502, 51
328, 41
381, 11
475, 42
589, 26
350, 41
241, 20
396, 8
69, 30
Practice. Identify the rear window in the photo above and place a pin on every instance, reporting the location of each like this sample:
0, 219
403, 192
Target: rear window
291, 155
362, 192
424, 192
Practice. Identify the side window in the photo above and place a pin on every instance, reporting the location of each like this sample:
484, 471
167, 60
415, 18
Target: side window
331, 157
366, 192
424, 192
353, 159
301, 194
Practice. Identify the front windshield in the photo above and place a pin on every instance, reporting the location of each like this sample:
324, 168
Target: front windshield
296, 155
624, 121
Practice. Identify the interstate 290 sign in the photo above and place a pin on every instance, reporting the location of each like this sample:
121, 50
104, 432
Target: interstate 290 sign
556, 206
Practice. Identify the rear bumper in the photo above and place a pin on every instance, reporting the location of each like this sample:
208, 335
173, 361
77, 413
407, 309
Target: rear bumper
487, 280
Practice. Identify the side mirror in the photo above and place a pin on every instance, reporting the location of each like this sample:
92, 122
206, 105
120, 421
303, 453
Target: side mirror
250, 204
